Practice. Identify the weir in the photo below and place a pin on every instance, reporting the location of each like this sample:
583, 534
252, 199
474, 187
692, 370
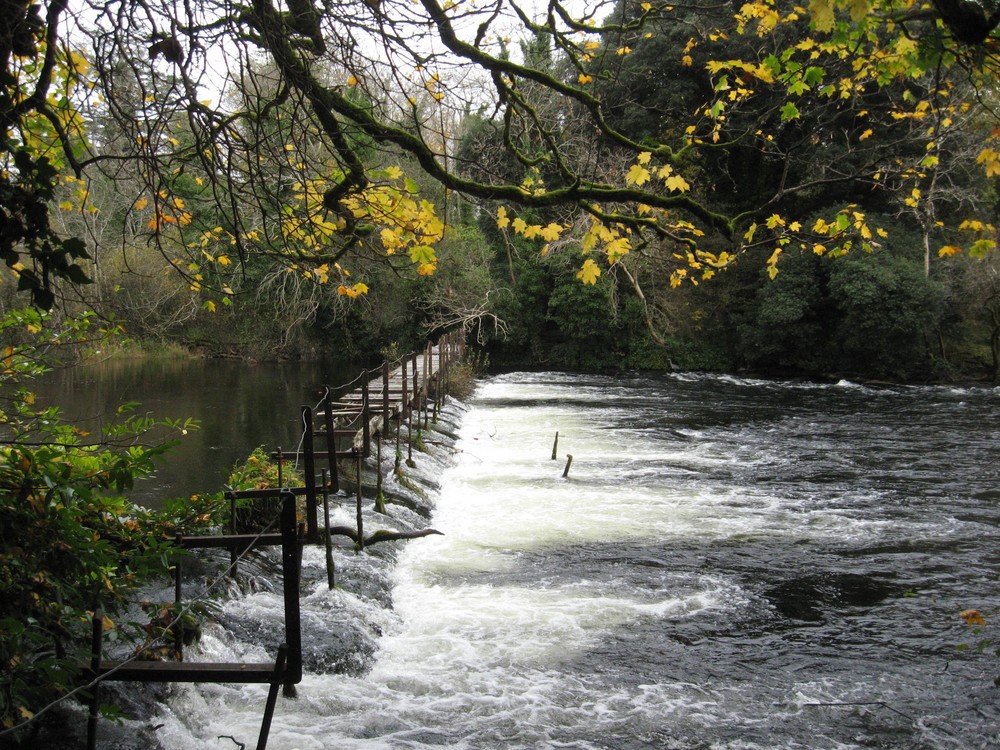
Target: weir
346, 425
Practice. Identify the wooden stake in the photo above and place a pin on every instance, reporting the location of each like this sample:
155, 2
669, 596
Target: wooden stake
555, 446
569, 462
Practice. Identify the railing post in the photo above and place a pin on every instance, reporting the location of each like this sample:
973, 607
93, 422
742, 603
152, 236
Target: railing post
366, 429
272, 697
178, 598
427, 381
94, 704
331, 443
385, 397
309, 467
331, 571
359, 510
290, 573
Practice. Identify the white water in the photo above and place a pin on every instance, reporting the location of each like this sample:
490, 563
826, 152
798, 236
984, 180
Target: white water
494, 644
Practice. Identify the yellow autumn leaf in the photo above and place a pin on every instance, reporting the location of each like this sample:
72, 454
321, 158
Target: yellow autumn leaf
519, 225
949, 250
352, 80
972, 617
502, 221
822, 14
589, 272
772, 263
551, 232
637, 175
677, 183
990, 159
140, 203
644, 157
583, 78
223, 260
617, 248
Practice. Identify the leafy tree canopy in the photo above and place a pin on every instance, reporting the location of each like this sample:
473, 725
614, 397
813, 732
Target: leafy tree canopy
292, 130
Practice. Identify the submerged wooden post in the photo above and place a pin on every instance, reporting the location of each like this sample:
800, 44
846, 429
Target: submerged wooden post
309, 467
555, 446
331, 572
569, 462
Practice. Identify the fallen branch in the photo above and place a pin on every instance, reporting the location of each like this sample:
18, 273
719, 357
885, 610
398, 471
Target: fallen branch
382, 535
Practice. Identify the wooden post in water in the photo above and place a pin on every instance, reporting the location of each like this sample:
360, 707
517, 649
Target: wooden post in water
331, 572
569, 462
555, 446
309, 467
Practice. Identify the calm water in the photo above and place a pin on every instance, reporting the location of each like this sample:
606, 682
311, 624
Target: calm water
730, 564
239, 407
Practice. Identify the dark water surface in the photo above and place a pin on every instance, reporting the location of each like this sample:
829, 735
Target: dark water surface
731, 563
239, 406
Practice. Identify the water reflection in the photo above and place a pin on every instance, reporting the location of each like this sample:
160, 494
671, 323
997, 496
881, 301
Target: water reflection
239, 406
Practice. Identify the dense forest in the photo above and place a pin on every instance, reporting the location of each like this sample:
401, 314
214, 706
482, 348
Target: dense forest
729, 186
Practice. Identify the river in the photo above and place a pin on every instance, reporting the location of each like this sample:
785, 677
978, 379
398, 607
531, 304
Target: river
730, 563
238, 407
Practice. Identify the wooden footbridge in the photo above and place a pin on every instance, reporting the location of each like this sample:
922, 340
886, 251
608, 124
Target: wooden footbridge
350, 423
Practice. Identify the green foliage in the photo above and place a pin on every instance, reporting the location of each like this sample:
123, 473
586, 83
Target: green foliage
258, 472
886, 310
70, 543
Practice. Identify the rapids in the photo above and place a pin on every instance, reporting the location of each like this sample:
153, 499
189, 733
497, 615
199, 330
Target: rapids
731, 563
